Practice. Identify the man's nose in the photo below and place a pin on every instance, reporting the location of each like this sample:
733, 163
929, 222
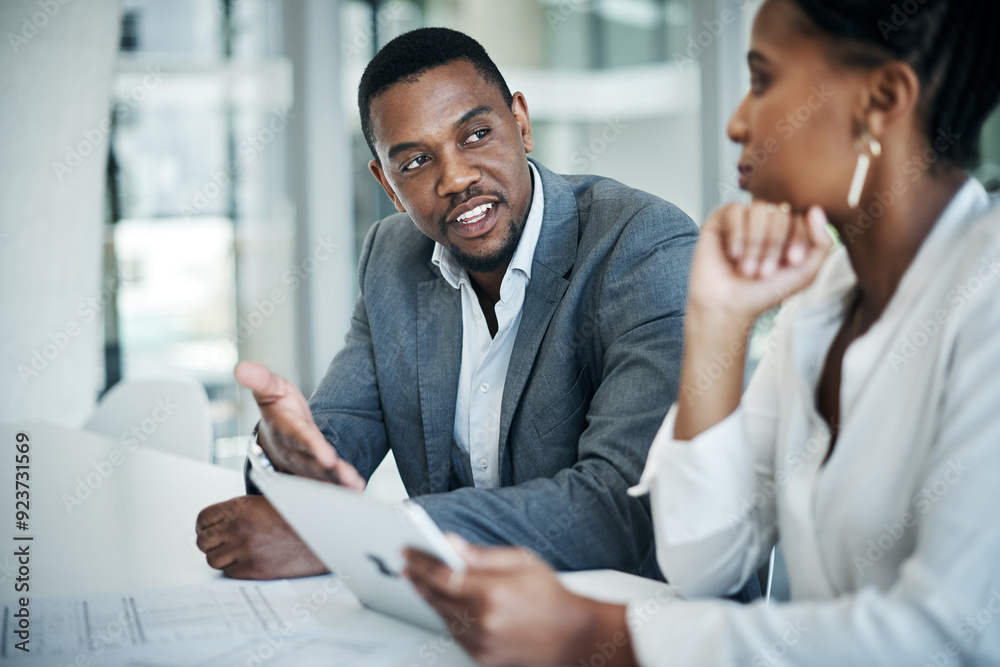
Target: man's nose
457, 174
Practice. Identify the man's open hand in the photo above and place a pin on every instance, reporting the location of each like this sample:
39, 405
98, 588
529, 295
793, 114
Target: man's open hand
246, 538
287, 432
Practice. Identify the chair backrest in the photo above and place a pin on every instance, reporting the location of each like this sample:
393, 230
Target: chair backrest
171, 415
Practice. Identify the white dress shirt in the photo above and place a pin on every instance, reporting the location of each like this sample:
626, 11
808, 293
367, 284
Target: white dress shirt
485, 358
892, 546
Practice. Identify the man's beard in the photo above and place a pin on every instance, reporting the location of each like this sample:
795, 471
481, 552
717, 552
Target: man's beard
490, 263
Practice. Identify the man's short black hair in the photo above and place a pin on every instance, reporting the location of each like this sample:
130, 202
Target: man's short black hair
411, 54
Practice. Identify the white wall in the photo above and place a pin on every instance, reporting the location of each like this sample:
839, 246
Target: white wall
56, 58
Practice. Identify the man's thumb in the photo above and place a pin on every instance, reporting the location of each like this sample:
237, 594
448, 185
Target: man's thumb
264, 384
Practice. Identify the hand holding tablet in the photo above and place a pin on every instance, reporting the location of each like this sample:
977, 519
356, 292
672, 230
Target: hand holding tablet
360, 539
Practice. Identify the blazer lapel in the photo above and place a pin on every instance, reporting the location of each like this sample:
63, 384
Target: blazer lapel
439, 357
554, 256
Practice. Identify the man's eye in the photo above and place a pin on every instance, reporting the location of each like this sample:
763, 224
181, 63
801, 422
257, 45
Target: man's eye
477, 136
418, 161
758, 84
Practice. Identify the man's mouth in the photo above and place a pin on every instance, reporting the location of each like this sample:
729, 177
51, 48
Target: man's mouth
475, 215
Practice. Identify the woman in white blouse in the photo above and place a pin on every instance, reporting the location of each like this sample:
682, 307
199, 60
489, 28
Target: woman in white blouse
869, 436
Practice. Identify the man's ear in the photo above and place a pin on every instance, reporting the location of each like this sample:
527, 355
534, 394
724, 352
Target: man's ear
892, 97
519, 107
379, 175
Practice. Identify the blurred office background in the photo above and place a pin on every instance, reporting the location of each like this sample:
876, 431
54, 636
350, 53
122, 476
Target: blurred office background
187, 183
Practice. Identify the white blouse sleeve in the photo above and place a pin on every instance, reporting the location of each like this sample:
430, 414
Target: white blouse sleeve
942, 609
713, 498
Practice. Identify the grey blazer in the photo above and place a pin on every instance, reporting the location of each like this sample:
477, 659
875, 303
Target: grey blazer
595, 367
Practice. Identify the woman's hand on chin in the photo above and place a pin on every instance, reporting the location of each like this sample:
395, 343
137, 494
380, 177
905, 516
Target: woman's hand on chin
750, 258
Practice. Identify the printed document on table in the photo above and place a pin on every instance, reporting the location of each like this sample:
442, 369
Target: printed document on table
182, 625
307, 650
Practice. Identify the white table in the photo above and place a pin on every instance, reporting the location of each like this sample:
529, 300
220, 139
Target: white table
107, 517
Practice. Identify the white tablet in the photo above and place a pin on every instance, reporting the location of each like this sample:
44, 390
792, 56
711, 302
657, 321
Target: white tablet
359, 538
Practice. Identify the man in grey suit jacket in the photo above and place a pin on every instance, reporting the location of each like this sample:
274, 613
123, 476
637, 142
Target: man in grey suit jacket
593, 336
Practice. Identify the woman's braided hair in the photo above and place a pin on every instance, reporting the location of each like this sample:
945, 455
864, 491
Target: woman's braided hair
952, 45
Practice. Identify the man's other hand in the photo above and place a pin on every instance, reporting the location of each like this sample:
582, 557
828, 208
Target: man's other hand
246, 538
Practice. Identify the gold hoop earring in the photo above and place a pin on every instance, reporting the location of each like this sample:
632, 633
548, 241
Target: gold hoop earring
867, 148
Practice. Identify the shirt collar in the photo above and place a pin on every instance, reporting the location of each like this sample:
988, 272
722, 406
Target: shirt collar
455, 273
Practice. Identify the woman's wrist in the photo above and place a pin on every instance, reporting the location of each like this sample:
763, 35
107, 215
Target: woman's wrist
715, 345
717, 321
601, 631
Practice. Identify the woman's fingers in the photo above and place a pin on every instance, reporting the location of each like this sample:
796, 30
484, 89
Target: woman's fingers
756, 237
779, 222
819, 237
793, 278
820, 241
734, 229
756, 222
763, 237
796, 242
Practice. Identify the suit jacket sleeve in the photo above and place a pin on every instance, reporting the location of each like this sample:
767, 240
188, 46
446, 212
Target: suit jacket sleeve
582, 518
